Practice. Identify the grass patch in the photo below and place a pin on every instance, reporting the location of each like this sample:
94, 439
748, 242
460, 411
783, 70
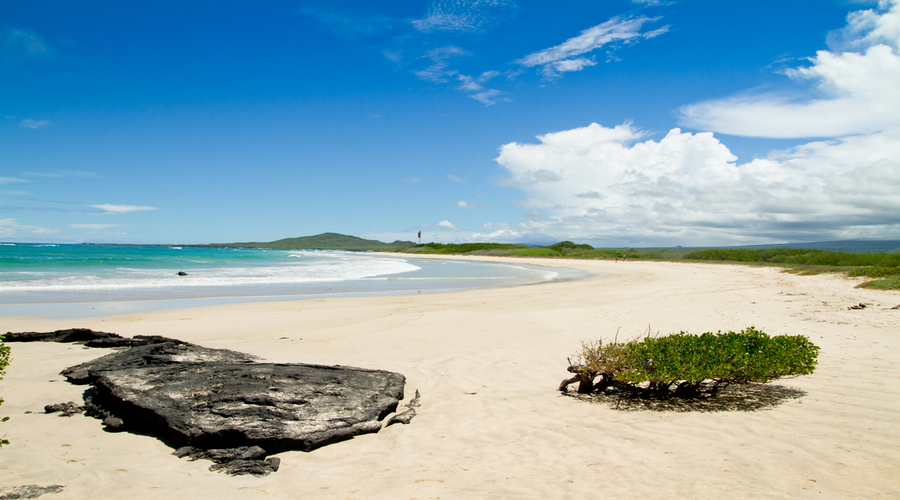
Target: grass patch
892, 283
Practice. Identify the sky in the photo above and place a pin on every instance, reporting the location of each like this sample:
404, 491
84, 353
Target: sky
608, 122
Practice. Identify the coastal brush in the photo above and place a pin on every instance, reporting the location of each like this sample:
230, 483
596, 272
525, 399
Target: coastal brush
685, 365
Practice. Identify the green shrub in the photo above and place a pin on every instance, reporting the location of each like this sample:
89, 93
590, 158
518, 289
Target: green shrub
682, 365
892, 283
875, 271
4, 362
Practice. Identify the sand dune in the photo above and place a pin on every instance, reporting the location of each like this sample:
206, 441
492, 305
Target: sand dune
491, 424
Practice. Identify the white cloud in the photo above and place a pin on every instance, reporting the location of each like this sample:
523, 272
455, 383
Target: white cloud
536, 204
445, 224
690, 188
466, 204
95, 227
464, 16
122, 209
866, 28
455, 178
57, 175
857, 92
437, 72
566, 57
477, 91
34, 123
10, 180
19, 43
10, 228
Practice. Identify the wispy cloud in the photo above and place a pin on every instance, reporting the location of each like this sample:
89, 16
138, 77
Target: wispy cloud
122, 209
11, 228
464, 16
437, 72
18, 44
34, 123
455, 178
473, 86
93, 227
11, 180
466, 204
58, 175
568, 56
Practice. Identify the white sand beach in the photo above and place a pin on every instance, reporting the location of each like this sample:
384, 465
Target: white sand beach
491, 423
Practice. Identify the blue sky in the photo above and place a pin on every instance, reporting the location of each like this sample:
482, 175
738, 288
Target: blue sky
611, 122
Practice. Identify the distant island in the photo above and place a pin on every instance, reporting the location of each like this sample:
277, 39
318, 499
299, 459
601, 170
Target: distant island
324, 241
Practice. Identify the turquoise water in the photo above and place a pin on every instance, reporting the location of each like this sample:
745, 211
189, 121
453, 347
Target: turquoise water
67, 279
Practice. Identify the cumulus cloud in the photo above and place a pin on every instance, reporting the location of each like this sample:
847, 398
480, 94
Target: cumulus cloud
445, 224
533, 204
122, 209
610, 183
11, 228
855, 92
567, 56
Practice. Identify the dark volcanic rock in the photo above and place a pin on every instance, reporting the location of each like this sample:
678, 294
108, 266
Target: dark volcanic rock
87, 337
233, 461
213, 398
240, 467
28, 491
80, 335
64, 409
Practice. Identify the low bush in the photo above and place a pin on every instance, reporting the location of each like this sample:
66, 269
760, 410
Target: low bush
891, 283
686, 365
875, 271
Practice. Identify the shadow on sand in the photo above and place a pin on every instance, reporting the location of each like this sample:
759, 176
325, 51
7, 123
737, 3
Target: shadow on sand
753, 397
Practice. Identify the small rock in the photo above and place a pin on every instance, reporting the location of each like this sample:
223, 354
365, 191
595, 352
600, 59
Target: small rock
402, 418
114, 424
182, 273
64, 409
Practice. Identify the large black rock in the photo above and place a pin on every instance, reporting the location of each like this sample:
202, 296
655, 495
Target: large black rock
213, 398
85, 336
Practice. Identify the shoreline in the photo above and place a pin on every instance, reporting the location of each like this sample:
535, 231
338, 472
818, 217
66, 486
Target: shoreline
426, 279
487, 363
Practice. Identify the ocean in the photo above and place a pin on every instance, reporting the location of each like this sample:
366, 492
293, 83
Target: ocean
82, 280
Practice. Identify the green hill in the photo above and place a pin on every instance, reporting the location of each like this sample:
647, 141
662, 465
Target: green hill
324, 241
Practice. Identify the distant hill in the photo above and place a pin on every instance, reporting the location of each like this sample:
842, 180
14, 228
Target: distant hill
324, 241
848, 246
